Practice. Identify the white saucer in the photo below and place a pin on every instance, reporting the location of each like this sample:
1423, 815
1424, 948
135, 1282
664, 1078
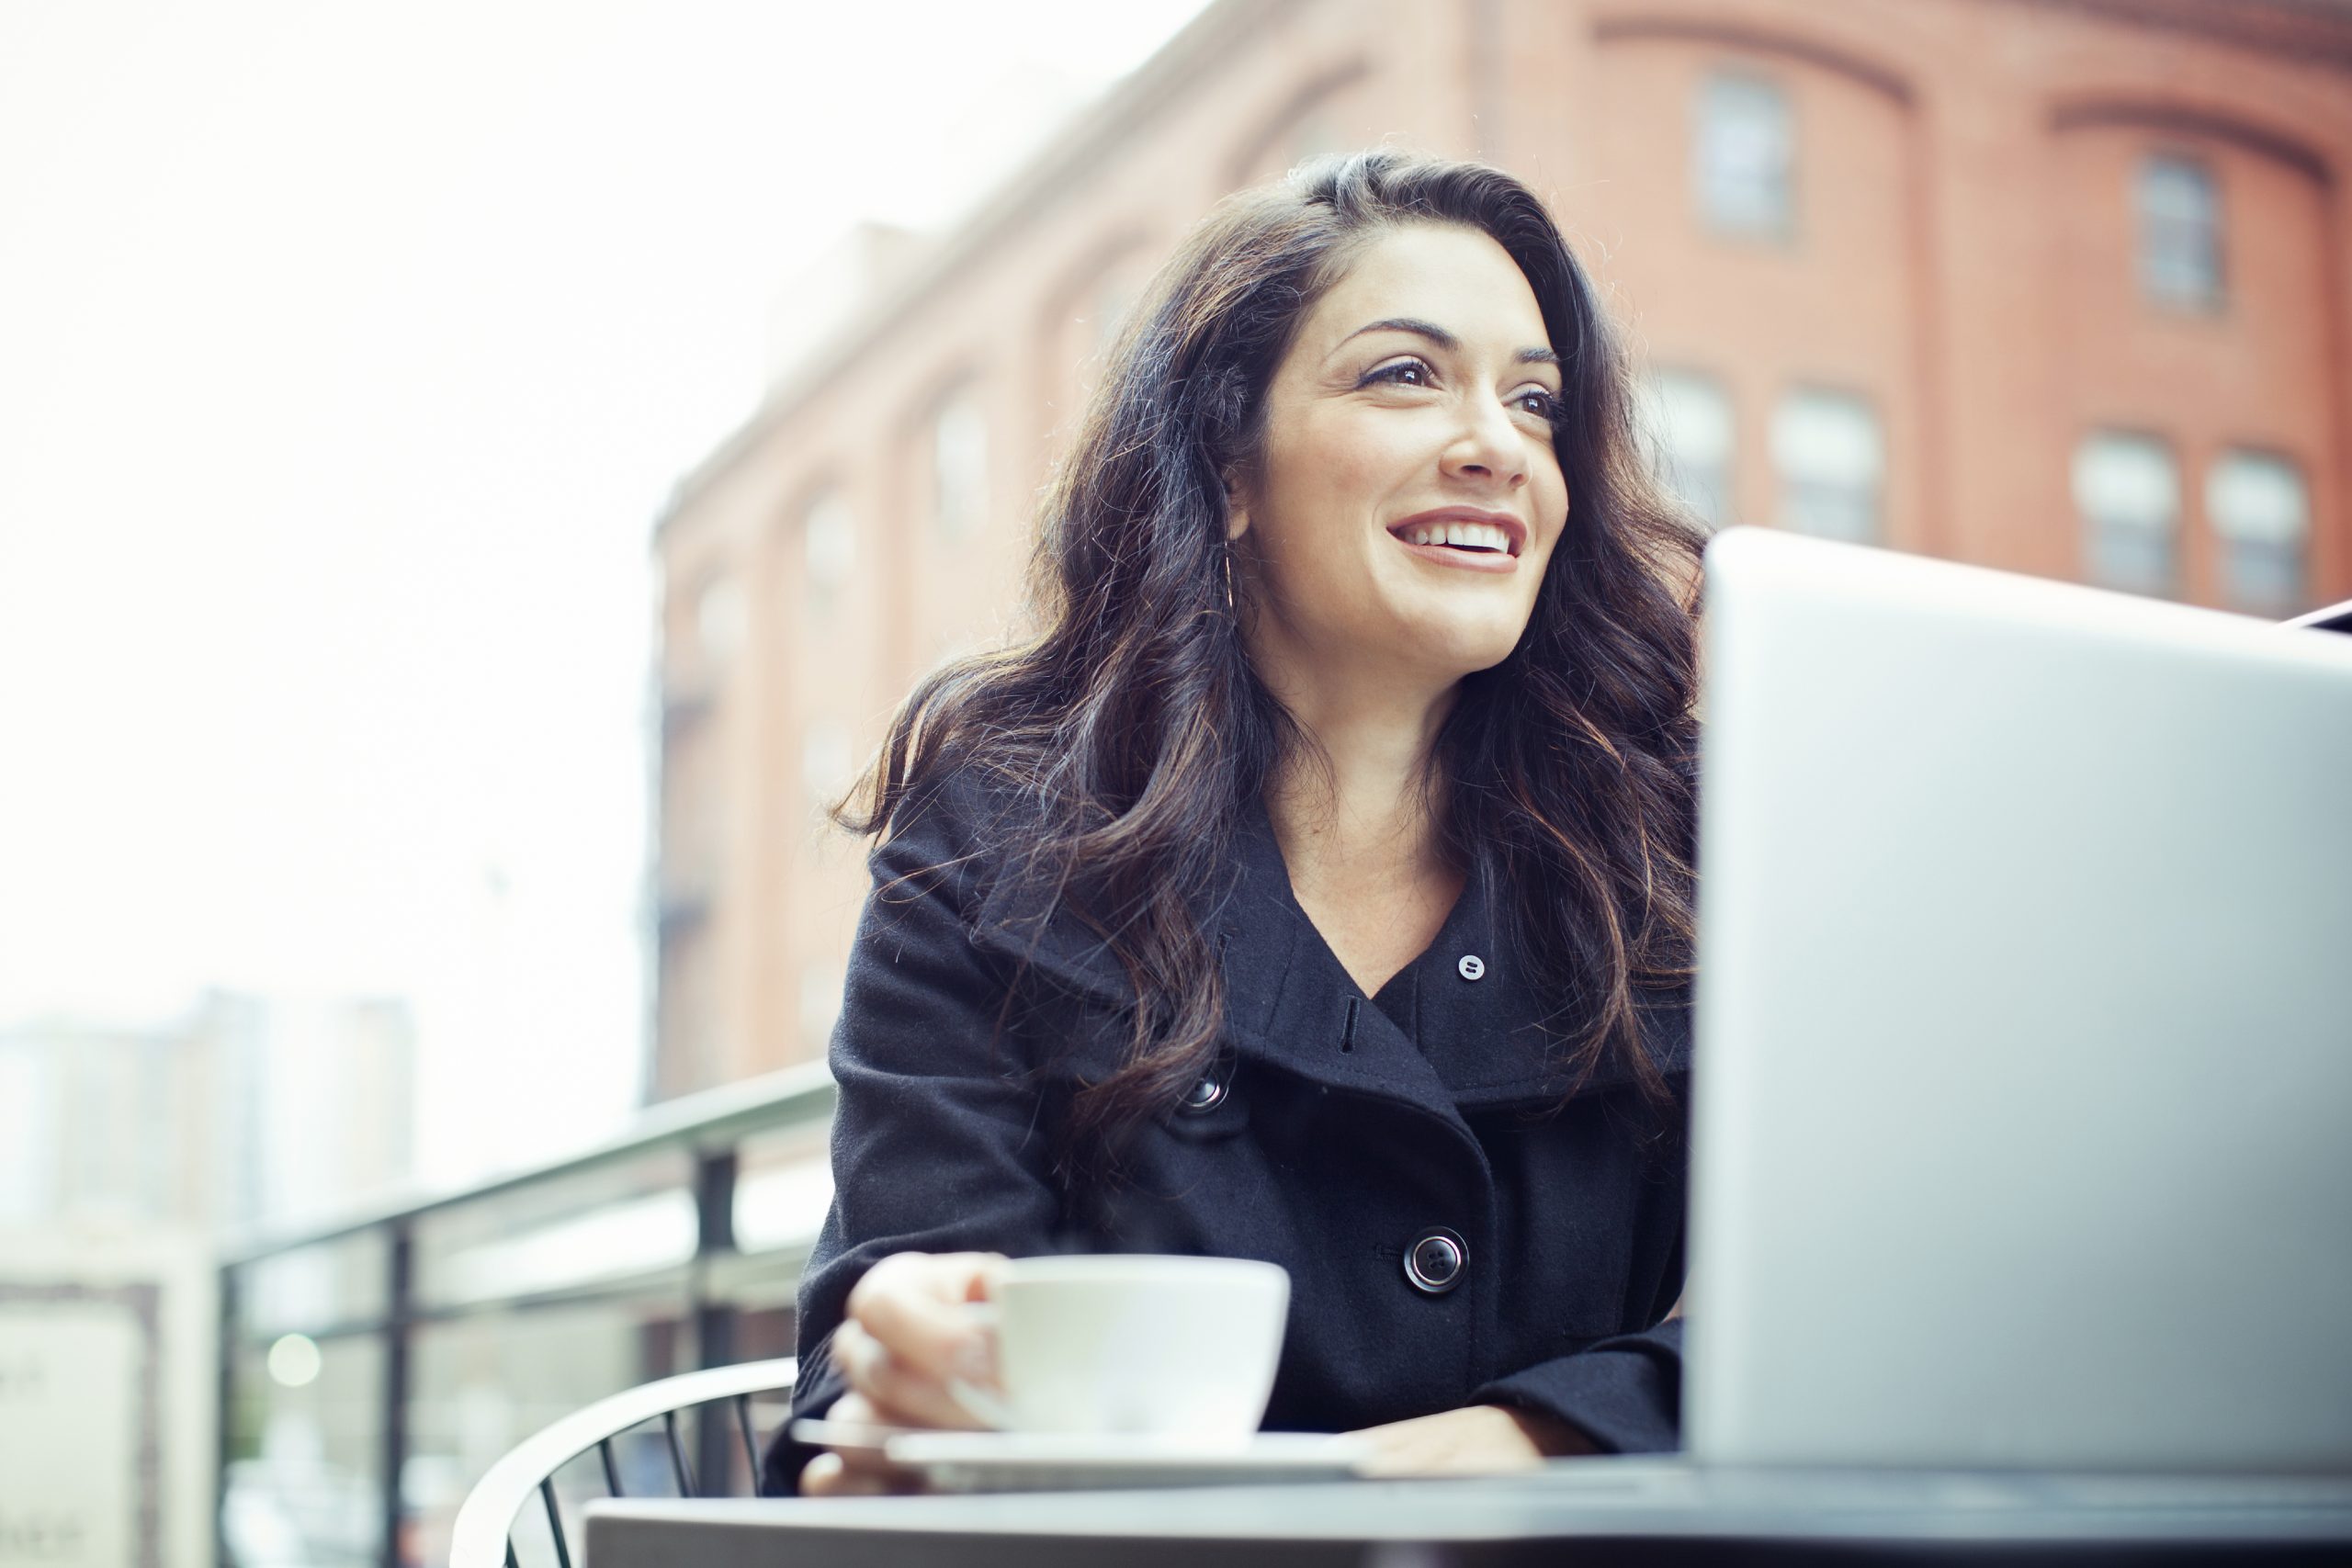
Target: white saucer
1054, 1462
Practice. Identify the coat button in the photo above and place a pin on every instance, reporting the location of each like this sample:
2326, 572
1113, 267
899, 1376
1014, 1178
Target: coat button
1205, 1095
1472, 966
1433, 1262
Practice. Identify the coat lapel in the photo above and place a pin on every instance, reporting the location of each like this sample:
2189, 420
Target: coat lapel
1293, 1007
1486, 1036
1471, 1044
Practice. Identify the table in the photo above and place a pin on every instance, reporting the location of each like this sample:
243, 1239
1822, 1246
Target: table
1644, 1511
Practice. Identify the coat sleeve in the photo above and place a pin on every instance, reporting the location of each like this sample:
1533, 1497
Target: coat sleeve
1624, 1393
938, 1143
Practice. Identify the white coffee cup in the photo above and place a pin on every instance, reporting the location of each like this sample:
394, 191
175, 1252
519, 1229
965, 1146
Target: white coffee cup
1177, 1348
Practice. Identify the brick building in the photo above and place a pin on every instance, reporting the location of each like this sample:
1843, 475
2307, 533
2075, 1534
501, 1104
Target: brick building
2056, 285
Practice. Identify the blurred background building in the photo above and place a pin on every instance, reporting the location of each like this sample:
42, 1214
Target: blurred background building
127, 1148
2059, 286
241, 1110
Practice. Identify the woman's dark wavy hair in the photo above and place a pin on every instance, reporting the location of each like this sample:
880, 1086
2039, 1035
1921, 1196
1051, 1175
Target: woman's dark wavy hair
1133, 730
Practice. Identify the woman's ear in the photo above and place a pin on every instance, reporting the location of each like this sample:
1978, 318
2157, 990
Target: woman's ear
1237, 509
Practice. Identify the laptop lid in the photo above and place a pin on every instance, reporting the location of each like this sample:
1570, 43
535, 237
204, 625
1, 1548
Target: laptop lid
2023, 1093
2334, 618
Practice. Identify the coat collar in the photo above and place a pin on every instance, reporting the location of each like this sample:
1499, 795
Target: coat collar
1470, 1045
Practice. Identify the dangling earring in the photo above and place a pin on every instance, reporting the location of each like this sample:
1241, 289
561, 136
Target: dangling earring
1224, 560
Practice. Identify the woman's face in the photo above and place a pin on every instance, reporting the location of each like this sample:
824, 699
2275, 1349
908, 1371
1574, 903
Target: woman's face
1406, 496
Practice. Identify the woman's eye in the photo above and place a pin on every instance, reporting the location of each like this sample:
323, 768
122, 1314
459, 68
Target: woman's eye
1537, 401
1402, 373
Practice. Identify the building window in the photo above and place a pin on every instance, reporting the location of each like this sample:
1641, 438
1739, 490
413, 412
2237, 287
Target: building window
2127, 490
1686, 433
1113, 297
2262, 514
718, 623
820, 1003
959, 466
828, 543
1314, 136
691, 1054
826, 758
1743, 156
2181, 234
1831, 458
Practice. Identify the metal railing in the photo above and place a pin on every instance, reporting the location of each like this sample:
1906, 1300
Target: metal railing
645, 1225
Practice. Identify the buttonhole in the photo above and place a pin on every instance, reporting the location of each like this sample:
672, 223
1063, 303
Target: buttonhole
1348, 1035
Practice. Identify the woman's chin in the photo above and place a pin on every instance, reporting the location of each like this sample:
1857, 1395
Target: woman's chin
1451, 649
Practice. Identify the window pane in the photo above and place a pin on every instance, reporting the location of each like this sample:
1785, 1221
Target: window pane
346, 1281
627, 1219
1742, 154
686, 992
829, 539
2180, 233
2261, 512
1113, 298
820, 1003
826, 760
2127, 490
1684, 420
306, 1458
783, 1180
1831, 460
718, 621
959, 466
481, 1383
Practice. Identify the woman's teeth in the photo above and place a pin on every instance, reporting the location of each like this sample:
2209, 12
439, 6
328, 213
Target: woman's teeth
1462, 535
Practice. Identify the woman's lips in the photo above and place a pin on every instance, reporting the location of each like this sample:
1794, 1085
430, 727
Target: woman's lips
1466, 538
1490, 561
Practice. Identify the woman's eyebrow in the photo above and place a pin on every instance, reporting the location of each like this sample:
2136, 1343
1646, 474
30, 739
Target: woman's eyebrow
1430, 330
1444, 340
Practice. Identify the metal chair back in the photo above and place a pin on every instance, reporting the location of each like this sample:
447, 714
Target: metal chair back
483, 1535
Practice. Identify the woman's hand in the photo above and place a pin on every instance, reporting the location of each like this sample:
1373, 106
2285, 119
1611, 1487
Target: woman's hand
1479, 1439
908, 1333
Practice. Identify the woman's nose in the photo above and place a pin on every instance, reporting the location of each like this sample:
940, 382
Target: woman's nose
1489, 446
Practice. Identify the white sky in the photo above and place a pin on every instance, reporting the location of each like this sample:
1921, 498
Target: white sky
347, 354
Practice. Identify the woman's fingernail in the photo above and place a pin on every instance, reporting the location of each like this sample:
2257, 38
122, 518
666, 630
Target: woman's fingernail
975, 1363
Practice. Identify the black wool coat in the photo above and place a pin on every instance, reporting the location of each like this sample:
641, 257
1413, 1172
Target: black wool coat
1358, 1141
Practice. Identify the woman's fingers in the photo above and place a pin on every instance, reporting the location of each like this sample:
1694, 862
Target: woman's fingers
910, 1333
831, 1474
919, 1307
861, 1473
899, 1395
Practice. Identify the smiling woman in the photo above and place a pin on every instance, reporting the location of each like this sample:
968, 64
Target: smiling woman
1432, 431
1317, 886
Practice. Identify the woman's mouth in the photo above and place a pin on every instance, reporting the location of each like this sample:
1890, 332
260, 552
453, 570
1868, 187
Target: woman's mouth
1457, 535
1477, 544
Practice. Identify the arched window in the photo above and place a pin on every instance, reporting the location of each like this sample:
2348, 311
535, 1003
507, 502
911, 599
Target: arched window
820, 1003
1114, 295
829, 547
2262, 514
1686, 431
2127, 490
959, 466
1333, 112
718, 624
2180, 233
826, 760
1831, 458
1743, 156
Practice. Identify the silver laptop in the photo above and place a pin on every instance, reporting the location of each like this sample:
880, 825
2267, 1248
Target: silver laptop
2023, 1088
